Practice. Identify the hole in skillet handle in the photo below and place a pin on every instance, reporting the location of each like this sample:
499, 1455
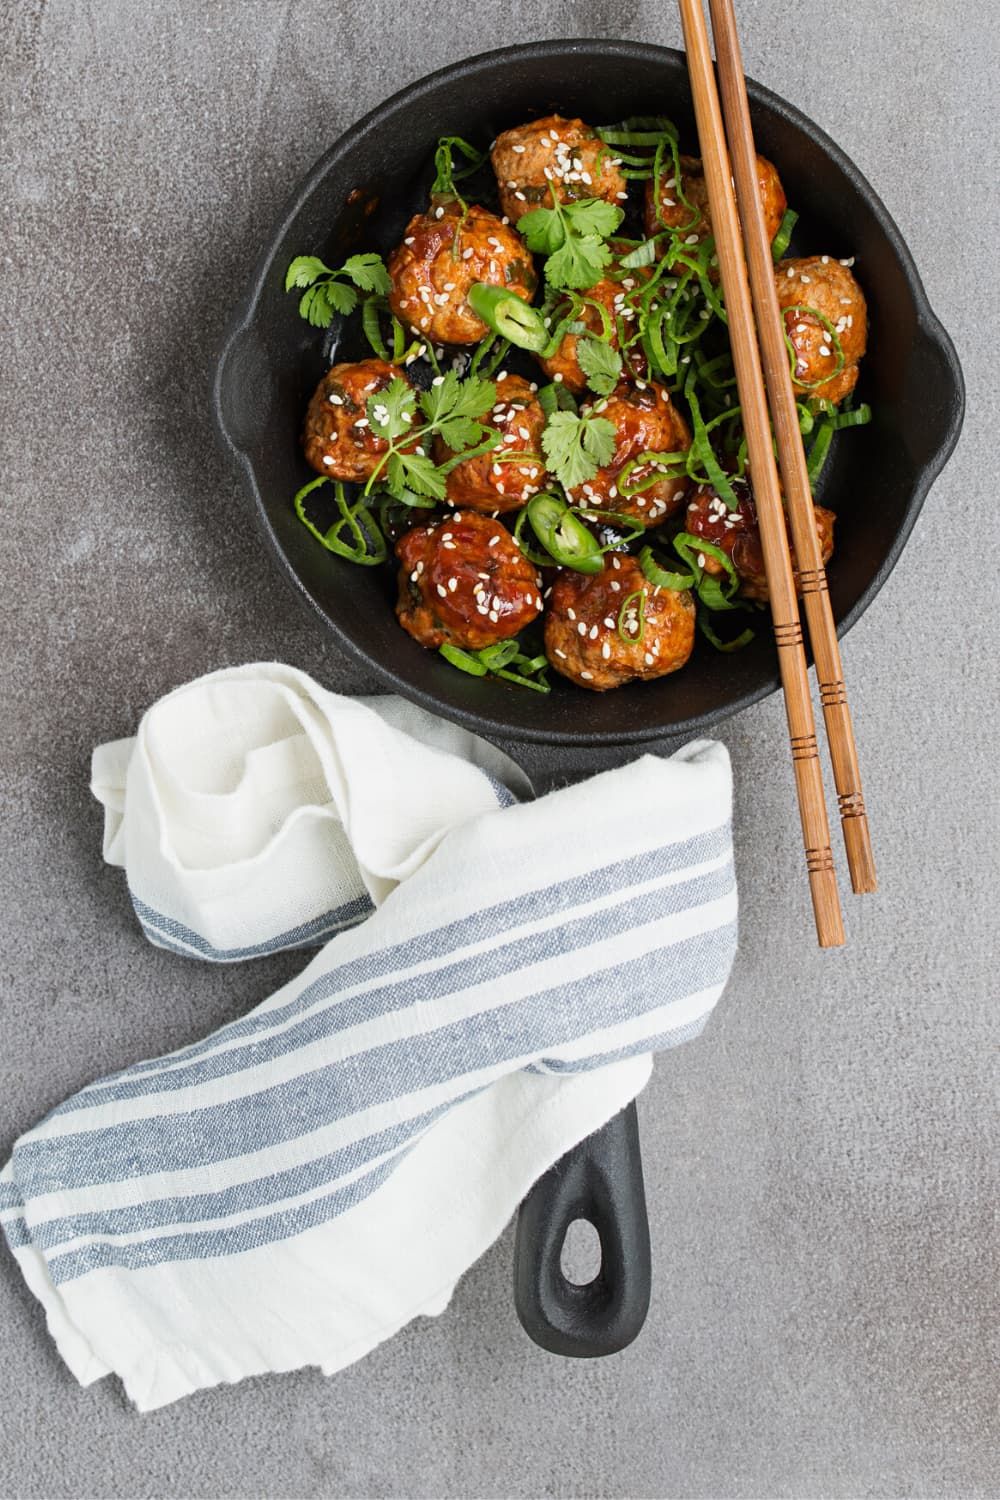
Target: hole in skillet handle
599, 1181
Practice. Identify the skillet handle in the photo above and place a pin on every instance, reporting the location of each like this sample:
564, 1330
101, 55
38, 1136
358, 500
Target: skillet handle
600, 1180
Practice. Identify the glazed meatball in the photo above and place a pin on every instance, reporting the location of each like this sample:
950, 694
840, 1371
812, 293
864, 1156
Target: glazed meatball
555, 155
645, 421
672, 213
583, 640
337, 439
443, 253
819, 284
465, 581
737, 533
613, 296
490, 482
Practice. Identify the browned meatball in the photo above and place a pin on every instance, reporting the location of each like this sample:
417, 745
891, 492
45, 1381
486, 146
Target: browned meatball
603, 629
645, 421
555, 155
613, 295
672, 213
819, 284
464, 580
443, 253
492, 482
337, 438
737, 533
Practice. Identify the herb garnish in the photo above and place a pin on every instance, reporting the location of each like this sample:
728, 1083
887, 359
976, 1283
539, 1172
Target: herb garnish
327, 293
573, 237
601, 364
576, 447
450, 408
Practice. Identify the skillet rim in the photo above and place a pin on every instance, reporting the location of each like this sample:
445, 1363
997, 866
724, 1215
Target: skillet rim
930, 330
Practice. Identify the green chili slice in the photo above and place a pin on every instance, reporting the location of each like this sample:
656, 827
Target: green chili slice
508, 315
563, 535
627, 616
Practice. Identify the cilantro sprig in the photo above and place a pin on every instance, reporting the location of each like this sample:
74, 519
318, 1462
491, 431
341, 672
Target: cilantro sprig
327, 290
601, 364
576, 447
451, 409
572, 236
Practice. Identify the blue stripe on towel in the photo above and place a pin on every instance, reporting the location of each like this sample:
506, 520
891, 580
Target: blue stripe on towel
534, 1025
530, 906
168, 932
582, 932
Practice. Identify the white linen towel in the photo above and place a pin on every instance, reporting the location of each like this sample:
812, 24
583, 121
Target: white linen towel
298, 1186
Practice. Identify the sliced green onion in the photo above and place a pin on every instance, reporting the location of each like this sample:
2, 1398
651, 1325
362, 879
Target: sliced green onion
508, 315
818, 452
857, 417
659, 577
447, 173
664, 466
367, 547
645, 255
563, 535
465, 661
639, 616
713, 594
555, 397
370, 310
784, 233
701, 451
736, 644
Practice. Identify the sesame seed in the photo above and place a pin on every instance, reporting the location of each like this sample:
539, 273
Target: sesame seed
615, 587
493, 541
848, 262
452, 582
807, 280
520, 150
337, 400
494, 616
561, 654
327, 459
571, 614
438, 380
439, 213
409, 240
520, 197
581, 629
606, 649
824, 349
442, 591
588, 676
648, 658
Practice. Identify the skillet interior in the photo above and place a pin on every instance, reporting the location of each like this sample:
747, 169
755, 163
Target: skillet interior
360, 195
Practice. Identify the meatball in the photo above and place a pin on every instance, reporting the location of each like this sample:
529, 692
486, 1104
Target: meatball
583, 640
465, 581
337, 438
645, 421
737, 533
819, 284
488, 482
555, 155
444, 252
672, 213
613, 296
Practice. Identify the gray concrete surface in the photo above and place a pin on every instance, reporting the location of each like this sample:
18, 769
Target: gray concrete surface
822, 1167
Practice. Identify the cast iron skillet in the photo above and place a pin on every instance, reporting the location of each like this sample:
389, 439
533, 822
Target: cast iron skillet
360, 195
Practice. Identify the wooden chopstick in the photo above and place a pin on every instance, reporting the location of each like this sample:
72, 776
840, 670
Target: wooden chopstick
791, 455
767, 492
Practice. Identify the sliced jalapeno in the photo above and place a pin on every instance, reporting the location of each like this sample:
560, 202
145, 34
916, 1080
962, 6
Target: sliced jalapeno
563, 535
508, 315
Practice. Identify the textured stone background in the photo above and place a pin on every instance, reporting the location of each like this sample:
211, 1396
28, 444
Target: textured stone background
822, 1167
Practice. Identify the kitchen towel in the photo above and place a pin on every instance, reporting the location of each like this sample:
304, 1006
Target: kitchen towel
494, 975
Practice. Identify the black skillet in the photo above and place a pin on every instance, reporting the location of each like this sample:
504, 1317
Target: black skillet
360, 195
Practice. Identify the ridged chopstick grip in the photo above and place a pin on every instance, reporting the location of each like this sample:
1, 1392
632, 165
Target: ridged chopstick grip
791, 455
773, 535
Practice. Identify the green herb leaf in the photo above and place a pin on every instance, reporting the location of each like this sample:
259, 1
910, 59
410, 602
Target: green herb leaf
368, 273
458, 398
543, 229
601, 364
416, 472
576, 447
579, 263
391, 412
593, 216
304, 270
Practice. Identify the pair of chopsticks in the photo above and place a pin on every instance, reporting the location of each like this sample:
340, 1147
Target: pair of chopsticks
753, 304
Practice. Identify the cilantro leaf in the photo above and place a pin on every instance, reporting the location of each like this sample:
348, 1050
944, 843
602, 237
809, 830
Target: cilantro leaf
543, 229
460, 432
593, 216
391, 412
303, 271
601, 364
458, 398
368, 273
575, 447
579, 264
415, 472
